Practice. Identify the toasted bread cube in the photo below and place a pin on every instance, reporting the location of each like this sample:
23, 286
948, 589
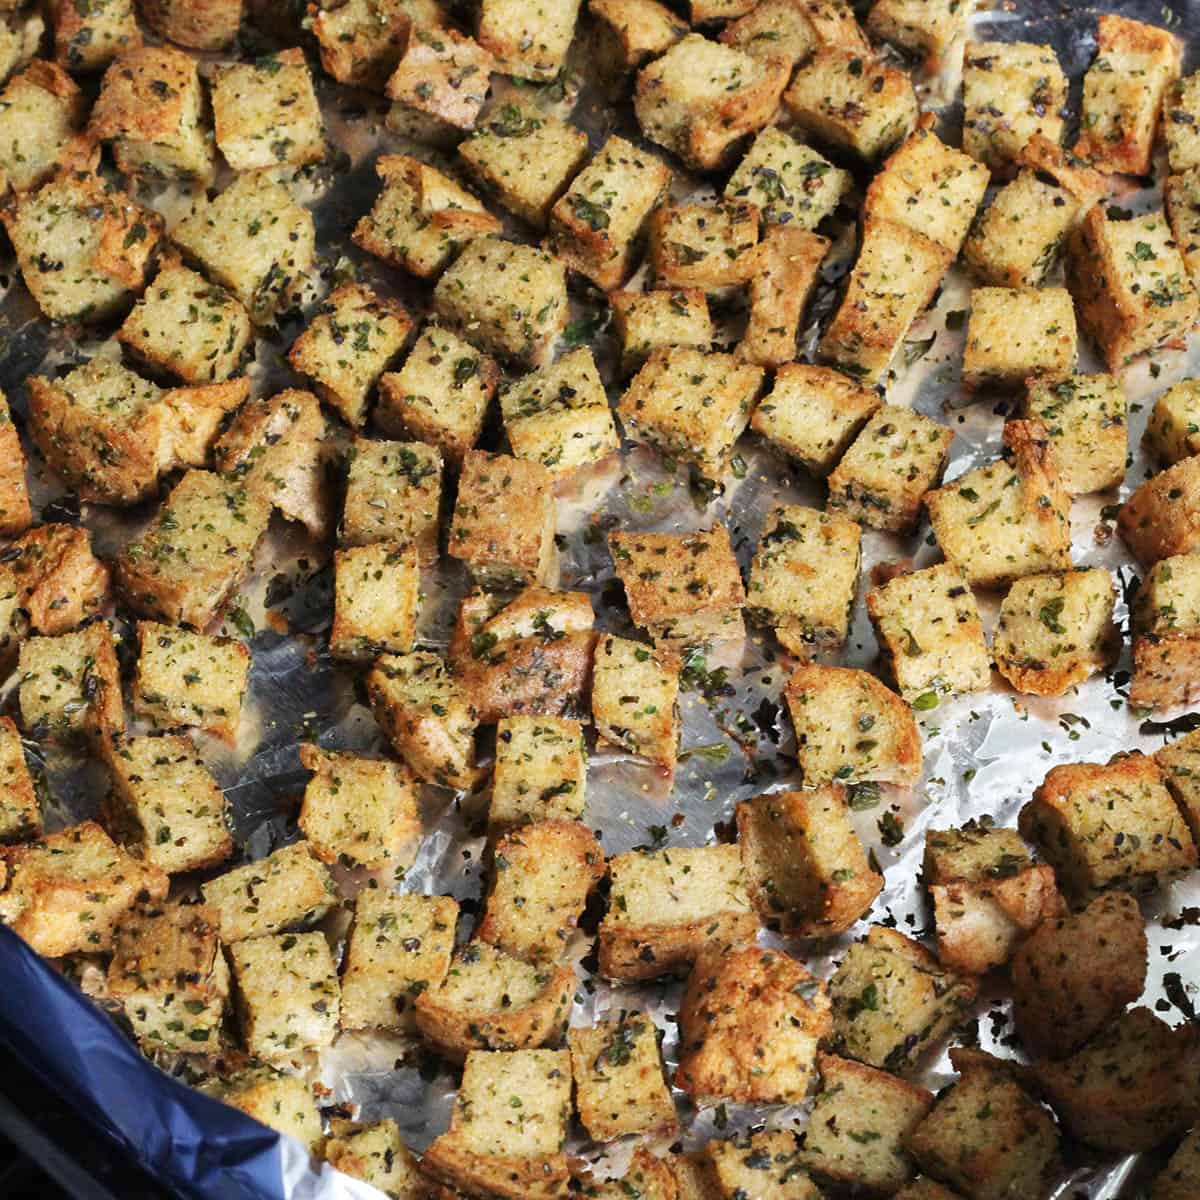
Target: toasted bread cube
253, 239
1166, 628
348, 345
1012, 92
691, 406
362, 41
197, 24
165, 803
188, 327
1162, 517
15, 512
504, 519
1055, 631
1074, 974
542, 874
282, 1102
426, 717
766, 1165
917, 26
1180, 112
789, 260
1123, 93
375, 1154
440, 395
1129, 1088
439, 85
895, 460
710, 246
1181, 198
357, 811
1130, 284
288, 889
596, 226
20, 813
701, 98
89, 38
853, 102
860, 1123
850, 728
790, 183
635, 693
393, 496
619, 1082
684, 588
812, 414
528, 42
1109, 825
795, 29
1085, 417
171, 978
806, 867
540, 773
559, 416
287, 994
266, 114
892, 281
648, 1176
930, 634
525, 158
399, 947
1173, 431
804, 577
42, 113
510, 299
749, 1025
490, 1000
376, 597
1180, 764
667, 906
71, 683
60, 582
892, 1001
1015, 334
649, 321
151, 107
82, 245
67, 892
1010, 518
497, 1148
694, 1175
627, 34
929, 187
1013, 1151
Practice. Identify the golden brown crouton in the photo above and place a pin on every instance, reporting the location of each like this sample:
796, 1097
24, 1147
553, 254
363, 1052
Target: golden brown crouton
1180, 764
635, 690
1173, 431
647, 321
540, 772
281, 1102
376, 593
439, 85
197, 24
789, 259
362, 41
648, 1175
789, 183
375, 1154
529, 42
1085, 417
921, 28
60, 581
20, 813
1018, 334
710, 246
1162, 517
628, 33
41, 119
70, 684
393, 494
766, 1165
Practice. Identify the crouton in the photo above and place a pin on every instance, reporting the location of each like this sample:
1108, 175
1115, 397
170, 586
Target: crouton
892, 1001
789, 261
439, 85
197, 24
853, 102
399, 947
362, 41
70, 684
859, 1125
510, 299
376, 596
1074, 974
893, 279
164, 803
1130, 1087
525, 158
647, 321
169, 975
542, 874
766, 1165
1055, 631
749, 1025
619, 1082
1180, 111
805, 865
42, 113
1109, 825
288, 889
1162, 517
850, 728
151, 107
1012, 92
375, 1154
987, 1136
393, 496
1010, 518
667, 906
89, 38
701, 98
12, 621
795, 29
681, 588
1181, 199
497, 1148
1173, 431
82, 245
597, 224
694, 1176
559, 416
22, 35
540, 773
691, 406
490, 1000
1166, 629
789, 183
1181, 1176
20, 813
15, 512
60, 582
648, 1176
1123, 94
713, 246
627, 34
635, 691
1085, 417
282, 1102
67, 892
528, 42
1180, 765
920, 28
1015, 334
426, 717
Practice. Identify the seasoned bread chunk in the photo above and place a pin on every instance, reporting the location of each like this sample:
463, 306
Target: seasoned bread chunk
635, 693
540, 772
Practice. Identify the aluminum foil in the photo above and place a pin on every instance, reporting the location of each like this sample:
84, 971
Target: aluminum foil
984, 753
